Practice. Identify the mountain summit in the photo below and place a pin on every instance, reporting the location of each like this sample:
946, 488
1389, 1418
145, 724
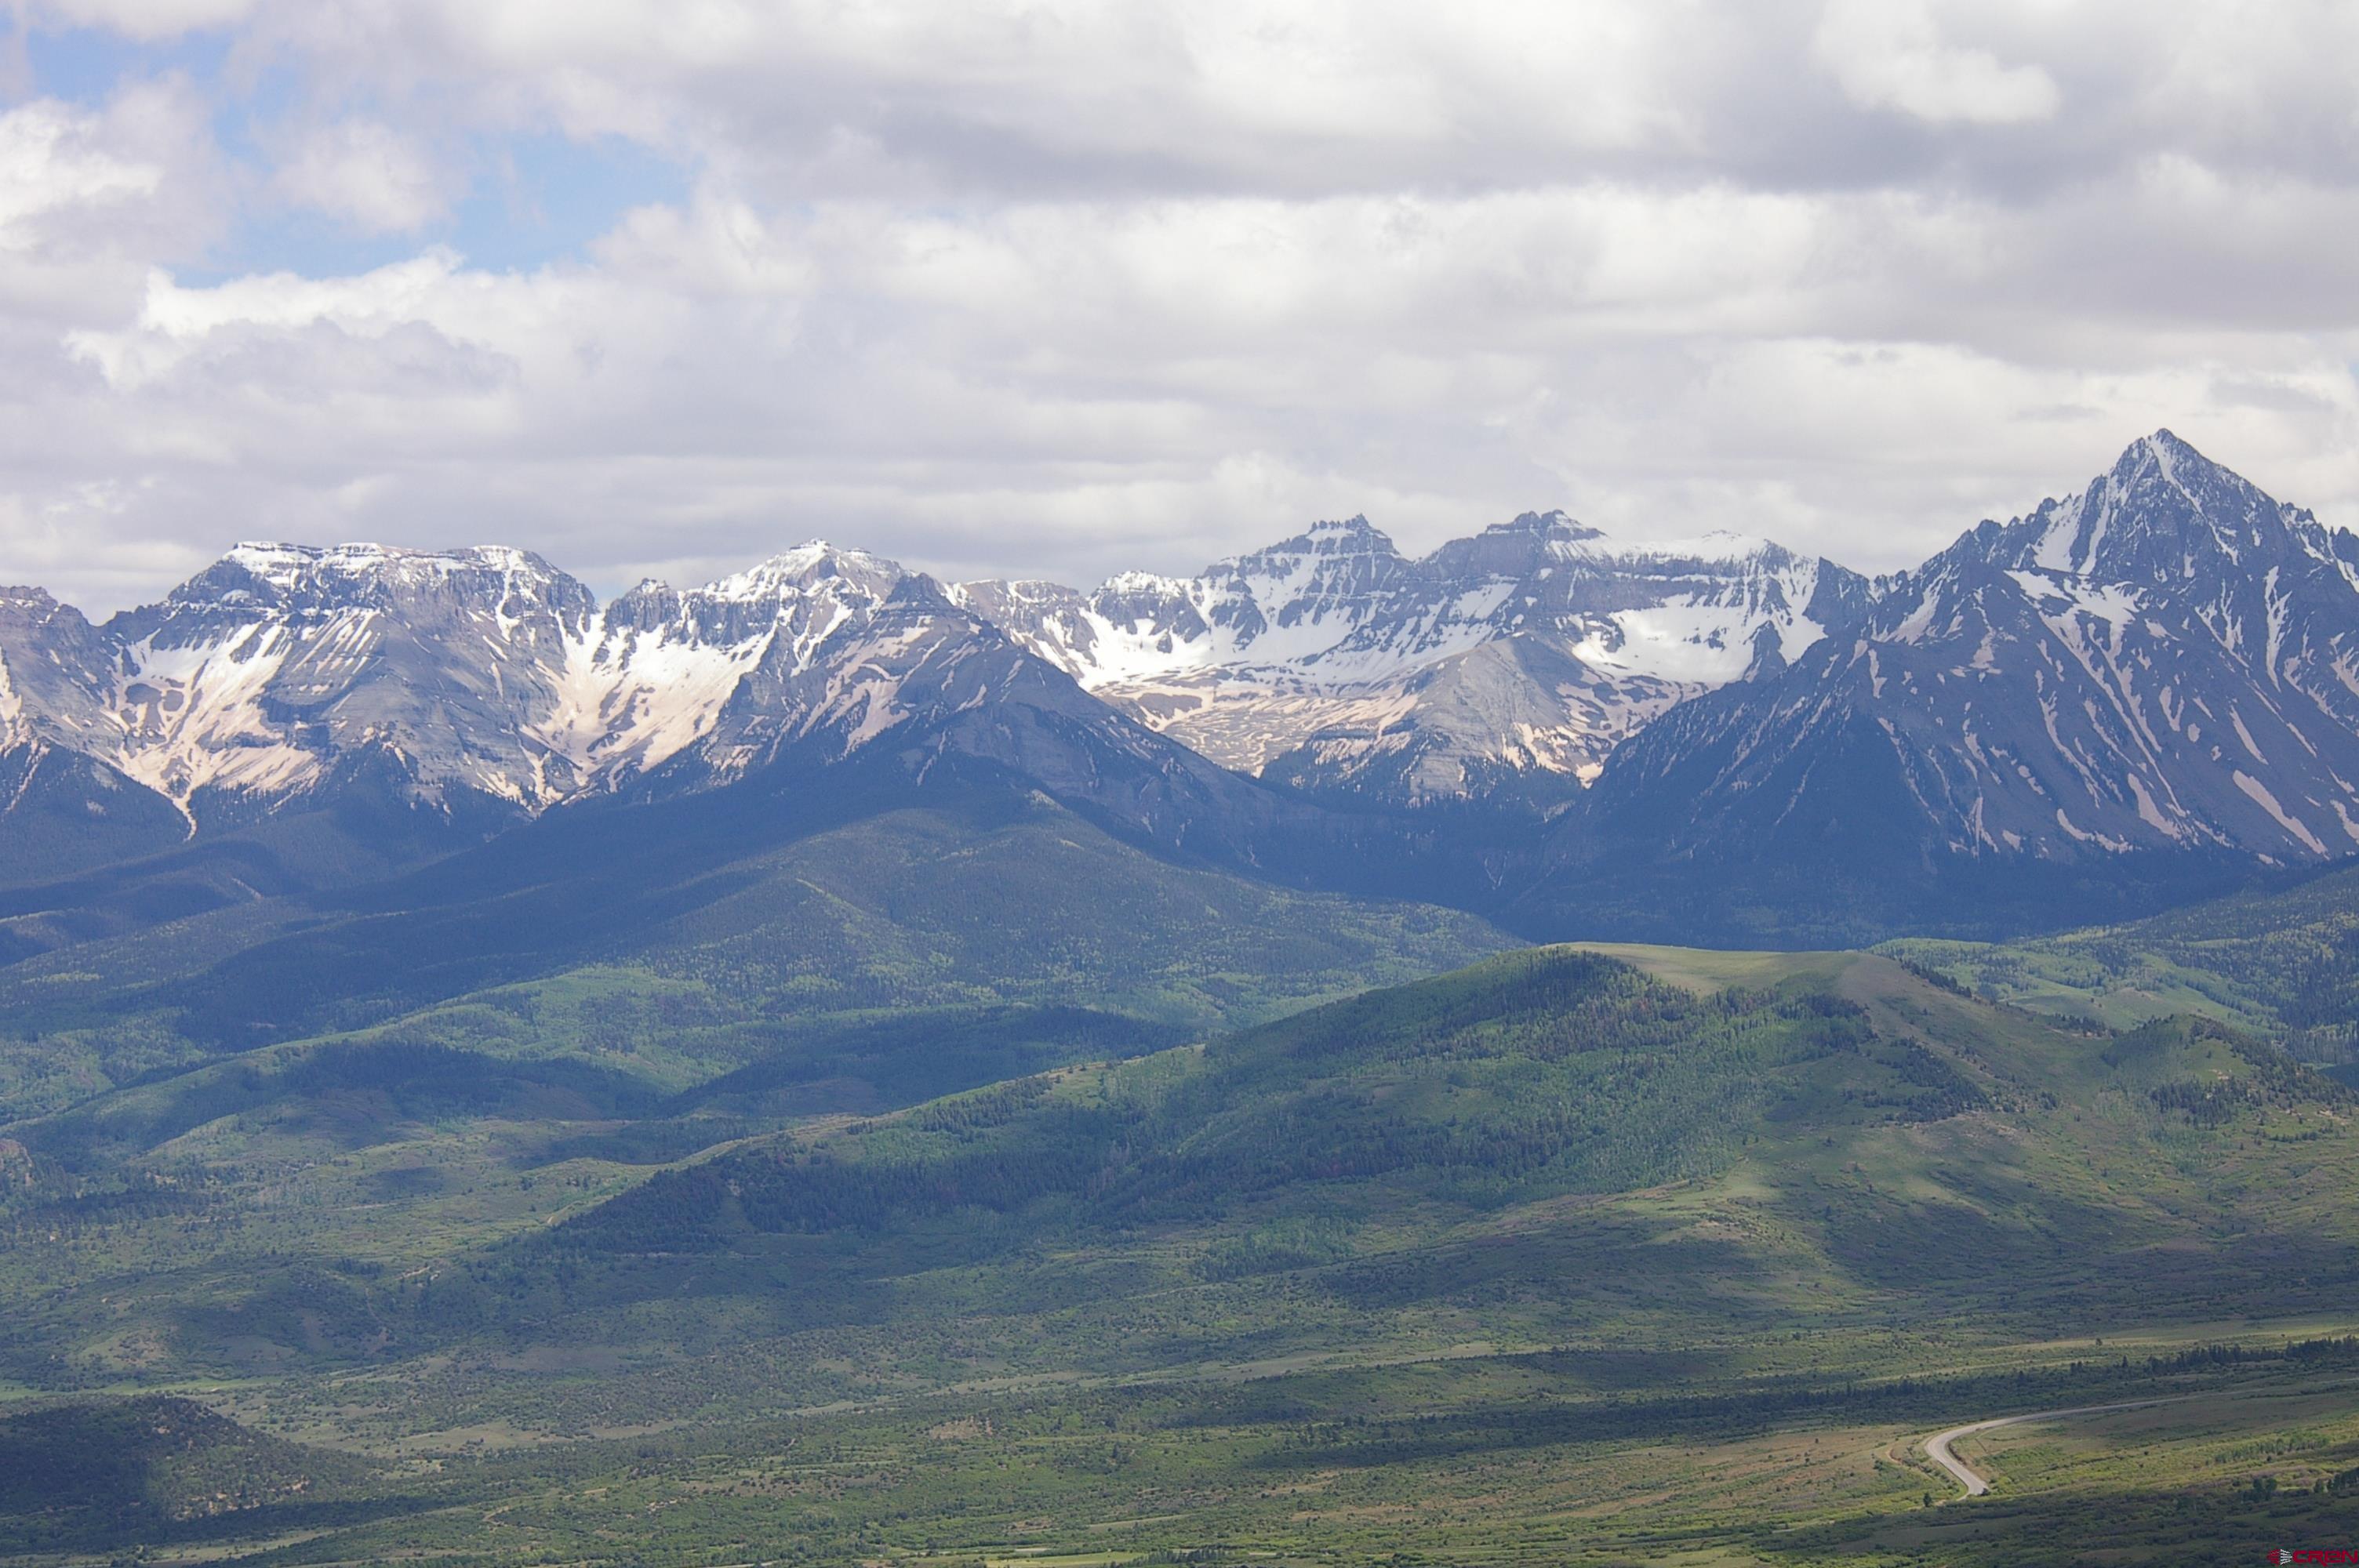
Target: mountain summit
1505, 666
484, 680
2165, 662
2146, 684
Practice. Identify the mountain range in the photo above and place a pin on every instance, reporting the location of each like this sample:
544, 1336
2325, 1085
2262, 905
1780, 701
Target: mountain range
838, 1064
2146, 687
1502, 669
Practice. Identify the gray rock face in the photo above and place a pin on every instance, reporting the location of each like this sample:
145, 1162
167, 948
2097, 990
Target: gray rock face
56, 673
485, 680
732, 670
256, 680
2164, 664
2168, 660
63, 806
1502, 666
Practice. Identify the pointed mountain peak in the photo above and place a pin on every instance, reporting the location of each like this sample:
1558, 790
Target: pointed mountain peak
2173, 459
807, 565
1353, 536
916, 590
2164, 510
2163, 463
1524, 545
1356, 526
32, 612
1551, 525
646, 603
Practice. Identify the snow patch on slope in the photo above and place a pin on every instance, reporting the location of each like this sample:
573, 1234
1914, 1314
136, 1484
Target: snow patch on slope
2267, 802
216, 735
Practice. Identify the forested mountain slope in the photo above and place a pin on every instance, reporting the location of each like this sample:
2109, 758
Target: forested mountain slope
2281, 960
1563, 1203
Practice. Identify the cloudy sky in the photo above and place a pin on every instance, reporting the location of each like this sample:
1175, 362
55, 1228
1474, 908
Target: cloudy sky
657, 286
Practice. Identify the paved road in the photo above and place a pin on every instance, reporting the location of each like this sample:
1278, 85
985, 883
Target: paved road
1937, 1447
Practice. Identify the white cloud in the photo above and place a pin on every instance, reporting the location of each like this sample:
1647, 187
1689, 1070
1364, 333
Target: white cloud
1063, 287
145, 19
51, 164
372, 176
175, 322
1889, 54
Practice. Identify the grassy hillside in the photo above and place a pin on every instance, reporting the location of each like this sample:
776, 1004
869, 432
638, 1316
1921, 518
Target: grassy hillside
975, 934
2282, 961
1527, 1076
1835, 1132
1578, 1255
91, 1475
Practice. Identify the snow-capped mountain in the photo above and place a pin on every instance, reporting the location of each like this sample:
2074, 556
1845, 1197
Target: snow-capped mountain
485, 683
2158, 672
480, 672
279, 667
786, 648
1510, 663
63, 804
486, 678
2166, 660
820, 657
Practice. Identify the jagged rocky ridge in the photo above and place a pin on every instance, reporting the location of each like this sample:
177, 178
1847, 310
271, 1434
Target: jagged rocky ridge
484, 685
480, 671
2163, 667
1505, 665
486, 675
2159, 668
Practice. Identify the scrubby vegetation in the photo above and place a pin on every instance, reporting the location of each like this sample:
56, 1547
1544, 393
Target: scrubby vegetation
1570, 1256
2277, 961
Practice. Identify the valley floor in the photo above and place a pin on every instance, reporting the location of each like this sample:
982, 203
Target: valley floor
1473, 1457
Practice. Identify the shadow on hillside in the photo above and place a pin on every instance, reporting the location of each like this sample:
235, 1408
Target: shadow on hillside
2213, 1521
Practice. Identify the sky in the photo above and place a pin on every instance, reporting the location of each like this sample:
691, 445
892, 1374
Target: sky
657, 288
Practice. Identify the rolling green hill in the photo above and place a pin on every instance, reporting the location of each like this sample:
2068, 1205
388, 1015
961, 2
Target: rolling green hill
1578, 1254
2280, 961
873, 962
1827, 1123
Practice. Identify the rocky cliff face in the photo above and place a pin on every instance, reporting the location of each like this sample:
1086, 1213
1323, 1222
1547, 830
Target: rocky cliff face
279, 665
64, 803
480, 683
2163, 665
1502, 666
2160, 669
